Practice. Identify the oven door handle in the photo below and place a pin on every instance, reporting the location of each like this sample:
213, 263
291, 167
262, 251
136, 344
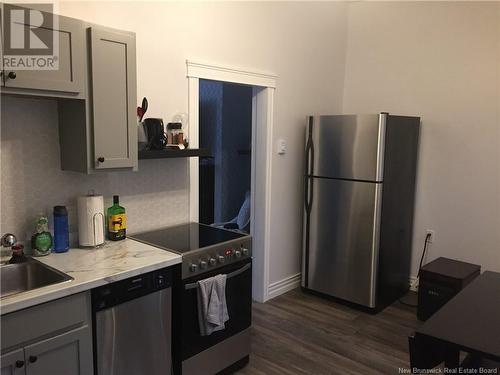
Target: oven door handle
228, 276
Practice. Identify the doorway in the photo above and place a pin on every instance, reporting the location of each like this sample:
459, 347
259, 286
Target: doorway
225, 128
262, 87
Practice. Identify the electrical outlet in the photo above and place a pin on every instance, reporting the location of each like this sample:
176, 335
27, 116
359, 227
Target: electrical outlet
414, 284
432, 237
281, 147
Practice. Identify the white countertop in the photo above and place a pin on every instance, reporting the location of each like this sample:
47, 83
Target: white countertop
92, 268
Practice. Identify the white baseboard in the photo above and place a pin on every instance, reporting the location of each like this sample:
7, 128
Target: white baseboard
291, 282
283, 286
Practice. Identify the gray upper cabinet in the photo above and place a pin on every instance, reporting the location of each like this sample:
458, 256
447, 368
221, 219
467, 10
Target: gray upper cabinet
114, 94
68, 353
13, 363
96, 88
100, 133
68, 79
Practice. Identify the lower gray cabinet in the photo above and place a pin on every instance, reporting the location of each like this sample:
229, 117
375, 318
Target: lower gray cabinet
12, 363
53, 338
68, 353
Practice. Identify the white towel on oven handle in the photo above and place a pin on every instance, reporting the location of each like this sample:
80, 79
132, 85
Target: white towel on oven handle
212, 306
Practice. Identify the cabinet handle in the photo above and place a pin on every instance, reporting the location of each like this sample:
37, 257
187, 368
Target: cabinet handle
19, 363
100, 159
12, 75
33, 358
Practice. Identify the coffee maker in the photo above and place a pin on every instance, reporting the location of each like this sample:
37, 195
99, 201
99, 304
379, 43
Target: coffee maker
155, 133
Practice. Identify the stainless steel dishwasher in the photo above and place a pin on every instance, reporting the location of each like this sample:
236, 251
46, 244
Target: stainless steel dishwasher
132, 325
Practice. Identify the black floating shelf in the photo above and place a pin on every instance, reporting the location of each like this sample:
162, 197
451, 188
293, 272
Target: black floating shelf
174, 153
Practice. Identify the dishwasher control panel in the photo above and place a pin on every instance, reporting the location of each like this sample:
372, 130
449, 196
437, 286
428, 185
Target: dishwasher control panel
121, 291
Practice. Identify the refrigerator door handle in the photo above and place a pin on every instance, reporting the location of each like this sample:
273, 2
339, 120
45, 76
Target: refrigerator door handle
308, 198
306, 194
307, 177
310, 149
382, 124
309, 167
307, 229
311, 179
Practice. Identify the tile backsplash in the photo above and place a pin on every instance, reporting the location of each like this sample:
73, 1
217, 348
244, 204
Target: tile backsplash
32, 180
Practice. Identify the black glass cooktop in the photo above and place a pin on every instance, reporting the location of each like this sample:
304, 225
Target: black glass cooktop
186, 237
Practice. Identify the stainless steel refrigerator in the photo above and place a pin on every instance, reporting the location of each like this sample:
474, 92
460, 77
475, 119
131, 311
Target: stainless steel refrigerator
358, 206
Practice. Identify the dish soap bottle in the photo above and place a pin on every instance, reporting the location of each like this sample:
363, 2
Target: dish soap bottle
117, 221
41, 241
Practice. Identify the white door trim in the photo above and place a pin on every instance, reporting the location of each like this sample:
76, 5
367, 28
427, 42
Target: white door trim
262, 117
194, 142
268, 107
225, 74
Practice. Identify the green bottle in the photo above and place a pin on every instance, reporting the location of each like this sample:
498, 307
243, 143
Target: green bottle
117, 221
41, 241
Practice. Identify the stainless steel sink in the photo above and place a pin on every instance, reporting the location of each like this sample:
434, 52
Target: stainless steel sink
21, 277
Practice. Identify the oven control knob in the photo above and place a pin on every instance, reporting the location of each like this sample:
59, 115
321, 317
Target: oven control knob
203, 264
237, 253
212, 261
244, 251
193, 267
221, 259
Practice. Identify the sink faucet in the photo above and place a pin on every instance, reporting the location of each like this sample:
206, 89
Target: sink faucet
9, 240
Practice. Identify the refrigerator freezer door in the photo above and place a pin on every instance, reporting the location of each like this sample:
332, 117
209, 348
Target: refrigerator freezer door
348, 147
341, 245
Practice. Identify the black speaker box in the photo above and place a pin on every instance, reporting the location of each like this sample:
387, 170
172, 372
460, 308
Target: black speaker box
440, 281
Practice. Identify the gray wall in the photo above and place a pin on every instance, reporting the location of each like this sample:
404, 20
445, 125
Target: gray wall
303, 43
32, 181
236, 136
439, 60
211, 135
226, 128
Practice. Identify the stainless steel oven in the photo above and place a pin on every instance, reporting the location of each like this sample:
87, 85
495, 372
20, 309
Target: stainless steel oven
208, 251
227, 349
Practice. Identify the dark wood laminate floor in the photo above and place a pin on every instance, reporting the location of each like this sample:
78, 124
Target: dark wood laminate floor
298, 333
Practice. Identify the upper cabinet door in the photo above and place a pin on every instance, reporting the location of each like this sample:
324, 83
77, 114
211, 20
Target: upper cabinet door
68, 75
114, 96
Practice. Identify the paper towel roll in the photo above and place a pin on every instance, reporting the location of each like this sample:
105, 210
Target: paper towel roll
91, 220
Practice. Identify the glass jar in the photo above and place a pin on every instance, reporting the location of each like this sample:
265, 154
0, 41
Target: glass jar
175, 135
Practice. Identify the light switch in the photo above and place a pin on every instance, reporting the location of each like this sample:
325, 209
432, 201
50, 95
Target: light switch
281, 147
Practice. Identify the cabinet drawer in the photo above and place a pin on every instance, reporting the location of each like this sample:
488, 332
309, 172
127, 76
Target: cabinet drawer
35, 322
